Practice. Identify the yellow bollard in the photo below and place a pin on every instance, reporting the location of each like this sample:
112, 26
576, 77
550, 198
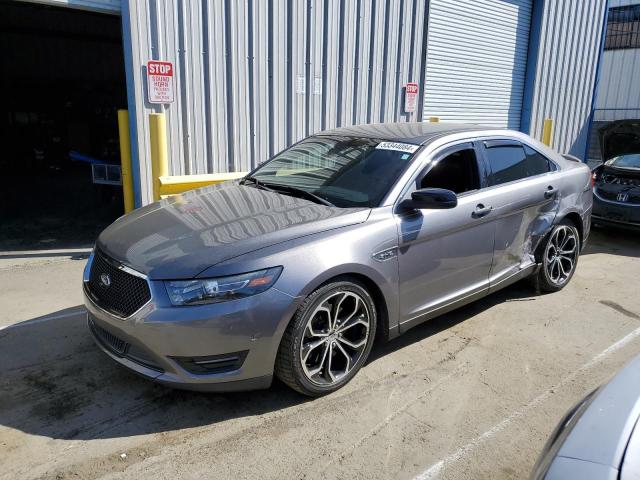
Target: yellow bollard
434, 119
546, 131
158, 143
125, 160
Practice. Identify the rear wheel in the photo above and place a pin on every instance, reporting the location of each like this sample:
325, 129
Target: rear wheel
559, 258
328, 340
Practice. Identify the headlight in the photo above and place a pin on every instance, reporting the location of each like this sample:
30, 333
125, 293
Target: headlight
222, 289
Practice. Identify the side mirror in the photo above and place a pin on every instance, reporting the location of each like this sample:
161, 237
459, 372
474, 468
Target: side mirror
430, 198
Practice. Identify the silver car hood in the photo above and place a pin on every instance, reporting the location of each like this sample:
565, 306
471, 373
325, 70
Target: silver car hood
182, 236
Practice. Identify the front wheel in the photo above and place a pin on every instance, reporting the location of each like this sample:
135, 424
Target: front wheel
560, 257
328, 340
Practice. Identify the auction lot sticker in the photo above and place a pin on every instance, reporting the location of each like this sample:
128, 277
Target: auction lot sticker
160, 81
397, 146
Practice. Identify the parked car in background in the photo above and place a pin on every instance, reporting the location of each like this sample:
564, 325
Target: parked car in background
617, 180
599, 438
346, 236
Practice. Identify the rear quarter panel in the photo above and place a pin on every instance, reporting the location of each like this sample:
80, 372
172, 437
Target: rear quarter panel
577, 194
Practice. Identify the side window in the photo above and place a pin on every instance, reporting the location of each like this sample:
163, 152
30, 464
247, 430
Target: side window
537, 162
457, 172
508, 163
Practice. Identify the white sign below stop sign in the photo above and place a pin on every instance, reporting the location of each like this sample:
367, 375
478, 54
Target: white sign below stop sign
410, 97
160, 81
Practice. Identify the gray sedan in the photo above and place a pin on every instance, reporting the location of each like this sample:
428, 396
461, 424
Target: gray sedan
600, 437
347, 236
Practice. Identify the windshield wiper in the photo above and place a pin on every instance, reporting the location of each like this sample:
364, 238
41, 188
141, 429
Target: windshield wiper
271, 187
256, 182
299, 192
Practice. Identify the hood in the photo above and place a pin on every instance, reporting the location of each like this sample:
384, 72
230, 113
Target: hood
180, 237
619, 138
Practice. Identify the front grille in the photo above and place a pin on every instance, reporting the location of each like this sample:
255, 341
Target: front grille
112, 343
607, 195
633, 198
122, 294
609, 178
120, 348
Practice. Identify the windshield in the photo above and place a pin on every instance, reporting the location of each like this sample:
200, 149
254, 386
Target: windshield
625, 161
345, 171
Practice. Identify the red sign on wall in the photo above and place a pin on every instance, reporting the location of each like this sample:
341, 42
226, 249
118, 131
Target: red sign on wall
160, 82
410, 97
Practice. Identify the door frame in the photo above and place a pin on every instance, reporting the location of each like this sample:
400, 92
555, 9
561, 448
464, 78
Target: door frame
434, 157
430, 159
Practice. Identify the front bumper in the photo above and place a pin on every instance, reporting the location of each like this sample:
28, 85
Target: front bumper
165, 343
613, 213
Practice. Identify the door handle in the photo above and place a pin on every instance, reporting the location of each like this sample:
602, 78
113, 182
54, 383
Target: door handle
551, 191
481, 211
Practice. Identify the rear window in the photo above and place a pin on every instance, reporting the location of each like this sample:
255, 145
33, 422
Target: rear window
516, 161
508, 163
537, 163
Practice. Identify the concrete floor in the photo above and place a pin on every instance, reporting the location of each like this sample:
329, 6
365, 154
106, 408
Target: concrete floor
473, 394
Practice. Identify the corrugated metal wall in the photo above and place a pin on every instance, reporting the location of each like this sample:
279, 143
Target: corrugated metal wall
476, 60
565, 74
254, 76
619, 87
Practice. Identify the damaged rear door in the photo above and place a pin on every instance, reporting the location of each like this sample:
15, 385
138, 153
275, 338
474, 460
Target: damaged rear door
525, 189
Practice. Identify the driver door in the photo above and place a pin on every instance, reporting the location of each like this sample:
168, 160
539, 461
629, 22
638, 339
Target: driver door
445, 256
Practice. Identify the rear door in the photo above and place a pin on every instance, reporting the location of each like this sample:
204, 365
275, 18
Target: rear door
524, 194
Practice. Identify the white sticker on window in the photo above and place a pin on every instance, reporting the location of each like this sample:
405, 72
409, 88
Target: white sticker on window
400, 147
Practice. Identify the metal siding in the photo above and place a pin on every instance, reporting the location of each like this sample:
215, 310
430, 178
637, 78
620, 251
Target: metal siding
476, 60
238, 63
567, 62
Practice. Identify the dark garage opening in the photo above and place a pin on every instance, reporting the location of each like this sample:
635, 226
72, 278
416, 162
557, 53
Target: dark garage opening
62, 78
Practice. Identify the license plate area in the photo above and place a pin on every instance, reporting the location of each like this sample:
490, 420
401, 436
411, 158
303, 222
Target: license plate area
617, 214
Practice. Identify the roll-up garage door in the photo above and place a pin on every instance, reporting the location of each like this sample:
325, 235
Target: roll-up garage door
476, 60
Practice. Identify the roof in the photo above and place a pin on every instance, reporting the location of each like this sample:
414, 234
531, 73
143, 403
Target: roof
417, 133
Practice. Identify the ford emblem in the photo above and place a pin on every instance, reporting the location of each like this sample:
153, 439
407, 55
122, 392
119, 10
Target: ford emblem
105, 280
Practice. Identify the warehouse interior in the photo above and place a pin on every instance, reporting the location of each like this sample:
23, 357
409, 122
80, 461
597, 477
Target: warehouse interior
63, 80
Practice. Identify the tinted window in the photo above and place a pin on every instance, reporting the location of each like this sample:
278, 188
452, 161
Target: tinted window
514, 162
508, 163
346, 171
536, 162
457, 172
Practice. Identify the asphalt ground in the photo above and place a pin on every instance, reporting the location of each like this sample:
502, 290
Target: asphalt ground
472, 394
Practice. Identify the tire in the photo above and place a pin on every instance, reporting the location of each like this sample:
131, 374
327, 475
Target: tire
327, 342
556, 269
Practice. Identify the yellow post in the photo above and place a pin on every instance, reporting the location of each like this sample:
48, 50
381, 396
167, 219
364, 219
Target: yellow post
125, 159
546, 131
159, 160
434, 119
